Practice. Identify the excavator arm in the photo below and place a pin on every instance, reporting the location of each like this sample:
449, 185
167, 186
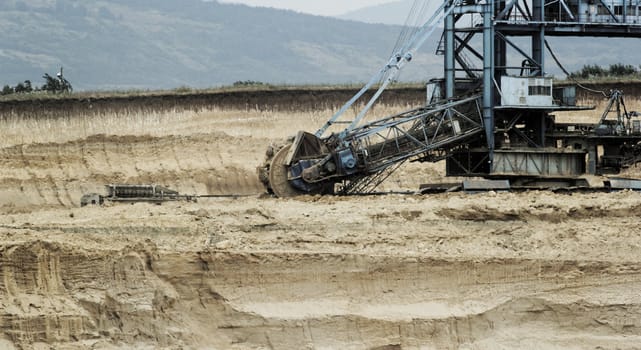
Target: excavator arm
359, 157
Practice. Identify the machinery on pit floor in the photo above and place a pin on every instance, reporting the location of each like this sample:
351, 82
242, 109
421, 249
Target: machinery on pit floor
495, 121
134, 194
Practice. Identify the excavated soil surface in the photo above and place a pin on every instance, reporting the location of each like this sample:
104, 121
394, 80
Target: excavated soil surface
534, 270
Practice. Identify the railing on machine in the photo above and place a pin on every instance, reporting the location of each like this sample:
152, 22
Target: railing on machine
390, 71
397, 138
428, 132
383, 145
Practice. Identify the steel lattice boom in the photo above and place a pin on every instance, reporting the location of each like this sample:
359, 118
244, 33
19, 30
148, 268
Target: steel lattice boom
492, 113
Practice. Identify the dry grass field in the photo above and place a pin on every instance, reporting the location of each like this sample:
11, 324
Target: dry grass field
633, 103
532, 270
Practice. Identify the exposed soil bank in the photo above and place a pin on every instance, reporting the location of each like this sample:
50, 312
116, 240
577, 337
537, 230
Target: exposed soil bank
272, 100
532, 270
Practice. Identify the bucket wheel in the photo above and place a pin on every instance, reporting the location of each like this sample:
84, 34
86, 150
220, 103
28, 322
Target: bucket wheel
278, 172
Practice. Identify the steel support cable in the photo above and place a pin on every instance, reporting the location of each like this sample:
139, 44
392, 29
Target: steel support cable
412, 24
404, 34
420, 17
404, 57
569, 75
391, 69
410, 28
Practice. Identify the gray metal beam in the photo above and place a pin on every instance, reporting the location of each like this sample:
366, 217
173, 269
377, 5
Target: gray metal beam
571, 29
449, 57
538, 38
488, 75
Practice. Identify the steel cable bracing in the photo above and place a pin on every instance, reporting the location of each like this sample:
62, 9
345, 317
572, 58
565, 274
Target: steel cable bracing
406, 31
417, 37
412, 23
417, 34
416, 17
402, 37
568, 73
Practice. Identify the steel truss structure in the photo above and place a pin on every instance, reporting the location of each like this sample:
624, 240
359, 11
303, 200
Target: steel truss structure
492, 114
520, 139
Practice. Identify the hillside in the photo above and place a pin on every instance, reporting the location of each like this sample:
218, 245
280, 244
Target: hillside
142, 44
105, 44
393, 13
574, 53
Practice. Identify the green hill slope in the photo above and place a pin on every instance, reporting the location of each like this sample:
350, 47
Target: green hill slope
159, 44
106, 44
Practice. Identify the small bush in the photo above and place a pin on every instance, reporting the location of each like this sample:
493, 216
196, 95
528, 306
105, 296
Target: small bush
57, 84
249, 83
615, 70
183, 89
7, 90
22, 88
621, 70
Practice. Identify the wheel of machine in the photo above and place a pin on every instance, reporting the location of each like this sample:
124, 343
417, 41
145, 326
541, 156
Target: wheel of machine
278, 176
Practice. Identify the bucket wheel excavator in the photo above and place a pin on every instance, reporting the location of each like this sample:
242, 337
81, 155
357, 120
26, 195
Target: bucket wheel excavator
495, 122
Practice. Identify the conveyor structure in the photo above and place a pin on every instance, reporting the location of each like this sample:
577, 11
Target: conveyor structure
491, 115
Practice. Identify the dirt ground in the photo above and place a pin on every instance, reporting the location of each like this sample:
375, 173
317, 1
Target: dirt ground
534, 270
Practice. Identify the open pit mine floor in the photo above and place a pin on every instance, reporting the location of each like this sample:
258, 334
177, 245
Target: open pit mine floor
526, 270
532, 270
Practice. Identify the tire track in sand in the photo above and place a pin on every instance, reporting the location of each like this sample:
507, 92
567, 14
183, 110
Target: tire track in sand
134, 158
181, 168
103, 145
31, 173
55, 189
66, 173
